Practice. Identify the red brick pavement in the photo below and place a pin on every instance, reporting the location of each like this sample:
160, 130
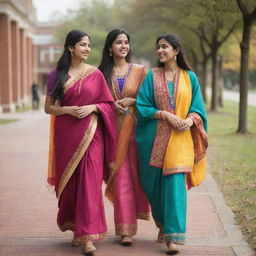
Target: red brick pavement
28, 209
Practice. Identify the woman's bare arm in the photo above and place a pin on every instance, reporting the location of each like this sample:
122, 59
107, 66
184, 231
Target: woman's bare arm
52, 109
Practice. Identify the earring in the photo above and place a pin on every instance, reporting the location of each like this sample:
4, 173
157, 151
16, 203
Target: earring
110, 54
71, 53
175, 57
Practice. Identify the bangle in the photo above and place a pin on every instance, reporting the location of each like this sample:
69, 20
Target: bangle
160, 116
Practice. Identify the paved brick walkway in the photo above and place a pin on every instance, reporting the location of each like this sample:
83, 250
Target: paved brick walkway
28, 209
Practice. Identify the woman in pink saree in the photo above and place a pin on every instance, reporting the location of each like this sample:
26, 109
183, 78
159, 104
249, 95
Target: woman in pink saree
123, 187
83, 139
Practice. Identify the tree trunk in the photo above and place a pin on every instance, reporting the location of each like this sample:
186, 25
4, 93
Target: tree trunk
214, 99
220, 93
204, 79
220, 82
195, 62
244, 46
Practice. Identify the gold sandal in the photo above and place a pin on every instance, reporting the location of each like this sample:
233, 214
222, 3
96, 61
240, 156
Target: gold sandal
126, 240
89, 248
172, 249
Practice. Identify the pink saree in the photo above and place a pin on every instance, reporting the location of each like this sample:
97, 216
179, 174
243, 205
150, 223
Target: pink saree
124, 187
82, 152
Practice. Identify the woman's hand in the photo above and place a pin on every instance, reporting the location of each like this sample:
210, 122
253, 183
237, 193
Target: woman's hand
84, 111
188, 123
73, 110
120, 108
126, 102
178, 123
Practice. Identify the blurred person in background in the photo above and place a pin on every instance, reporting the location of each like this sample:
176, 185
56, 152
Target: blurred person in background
35, 96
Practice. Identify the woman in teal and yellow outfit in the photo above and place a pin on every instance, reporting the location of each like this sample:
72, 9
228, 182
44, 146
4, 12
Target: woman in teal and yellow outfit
171, 138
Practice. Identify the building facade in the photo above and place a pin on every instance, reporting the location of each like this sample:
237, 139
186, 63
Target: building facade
18, 53
49, 50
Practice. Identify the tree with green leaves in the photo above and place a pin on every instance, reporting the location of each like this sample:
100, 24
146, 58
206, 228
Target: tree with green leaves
213, 22
248, 11
96, 18
203, 27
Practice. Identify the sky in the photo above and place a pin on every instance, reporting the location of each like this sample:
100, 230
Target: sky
46, 8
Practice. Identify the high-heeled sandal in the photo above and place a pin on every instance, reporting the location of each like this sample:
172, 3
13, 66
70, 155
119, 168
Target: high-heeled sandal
172, 249
126, 240
88, 248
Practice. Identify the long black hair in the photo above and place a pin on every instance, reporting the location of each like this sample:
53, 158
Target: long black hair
63, 64
174, 41
107, 63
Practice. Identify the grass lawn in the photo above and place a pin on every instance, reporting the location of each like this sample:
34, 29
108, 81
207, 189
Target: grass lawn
232, 159
23, 109
19, 110
6, 121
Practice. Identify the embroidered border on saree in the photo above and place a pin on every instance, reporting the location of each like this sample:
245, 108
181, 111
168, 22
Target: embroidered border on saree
163, 131
125, 123
126, 229
71, 82
51, 177
92, 237
82, 239
177, 238
132, 82
78, 155
177, 169
67, 226
143, 215
199, 136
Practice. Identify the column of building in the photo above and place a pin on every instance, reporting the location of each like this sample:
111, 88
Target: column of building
18, 65
29, 64
23, 61
6, 64
35, 63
